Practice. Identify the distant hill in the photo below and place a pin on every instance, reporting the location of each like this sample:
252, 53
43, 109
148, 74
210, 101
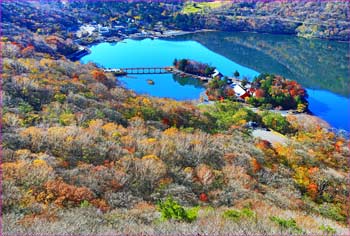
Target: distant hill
307, 18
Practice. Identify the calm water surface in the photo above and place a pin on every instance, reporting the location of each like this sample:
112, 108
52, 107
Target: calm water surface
320, 66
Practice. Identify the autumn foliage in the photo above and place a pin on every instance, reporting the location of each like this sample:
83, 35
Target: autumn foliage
278, 92
63, 193
100, 76
203, 197
76, 147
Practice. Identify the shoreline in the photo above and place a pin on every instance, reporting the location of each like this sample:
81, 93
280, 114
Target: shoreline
174, 33
151, 35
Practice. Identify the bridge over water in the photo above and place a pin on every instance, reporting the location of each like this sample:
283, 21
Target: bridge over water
141, 70
154, 70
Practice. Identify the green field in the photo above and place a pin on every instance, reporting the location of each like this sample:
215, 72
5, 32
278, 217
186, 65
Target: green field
201, 7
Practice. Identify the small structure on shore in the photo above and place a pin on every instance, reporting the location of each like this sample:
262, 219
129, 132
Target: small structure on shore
216, 74
239, 91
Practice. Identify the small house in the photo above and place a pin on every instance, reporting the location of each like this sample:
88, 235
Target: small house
216, 73
239, 91
251, 91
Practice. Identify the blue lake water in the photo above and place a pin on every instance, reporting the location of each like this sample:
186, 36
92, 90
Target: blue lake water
330, 107
153, 53
331, 103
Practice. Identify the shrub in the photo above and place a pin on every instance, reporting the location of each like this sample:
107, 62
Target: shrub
89, 95
286, 224
84, 203
100, 76
59, 97
24, 107
328, 229
277, 122
151, 169
239, 214
232, 214
121, 199
146, 173
205, 174
77, 100
226, 114
170, 209
99, 179
67, 119
332, 211
247, 212
27, 174
12, 195
64, 193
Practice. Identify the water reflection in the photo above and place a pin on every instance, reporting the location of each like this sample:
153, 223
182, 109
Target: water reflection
320, 66
316, 64
188, 81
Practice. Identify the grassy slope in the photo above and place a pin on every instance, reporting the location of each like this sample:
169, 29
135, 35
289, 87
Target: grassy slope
201, 7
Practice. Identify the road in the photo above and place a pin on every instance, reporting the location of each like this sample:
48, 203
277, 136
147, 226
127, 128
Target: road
271, 136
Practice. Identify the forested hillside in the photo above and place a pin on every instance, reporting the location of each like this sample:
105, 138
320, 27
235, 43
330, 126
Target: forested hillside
83, 155
307, 18
319, 19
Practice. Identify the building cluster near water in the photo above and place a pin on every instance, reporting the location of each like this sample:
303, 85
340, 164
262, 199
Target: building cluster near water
118, 30
240, 90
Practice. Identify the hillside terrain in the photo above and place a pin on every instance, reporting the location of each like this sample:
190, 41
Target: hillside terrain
310, 19
307, 18
83, 155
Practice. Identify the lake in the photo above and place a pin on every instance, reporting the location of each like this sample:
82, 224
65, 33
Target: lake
320, 66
